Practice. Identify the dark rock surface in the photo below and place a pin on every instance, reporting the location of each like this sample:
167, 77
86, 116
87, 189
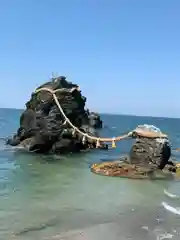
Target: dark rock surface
150, 152
149, 157
43, 128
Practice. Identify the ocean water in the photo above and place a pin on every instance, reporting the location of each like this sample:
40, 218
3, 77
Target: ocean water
58, 197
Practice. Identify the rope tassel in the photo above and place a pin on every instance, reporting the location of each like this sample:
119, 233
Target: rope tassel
98, 143
65, 122
84, 139
113, 143
74, 132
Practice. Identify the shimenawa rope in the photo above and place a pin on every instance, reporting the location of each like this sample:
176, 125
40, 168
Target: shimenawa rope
85, 135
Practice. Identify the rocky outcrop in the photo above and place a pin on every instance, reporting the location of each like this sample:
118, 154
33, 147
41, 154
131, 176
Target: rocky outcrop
95, 120
149, 157
150, 152
43, 128
151, 147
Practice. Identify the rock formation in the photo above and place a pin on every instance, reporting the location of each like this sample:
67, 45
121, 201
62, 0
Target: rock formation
150, 152
43, 128
149, 157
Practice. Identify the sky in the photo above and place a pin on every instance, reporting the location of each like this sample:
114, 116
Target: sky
124, 54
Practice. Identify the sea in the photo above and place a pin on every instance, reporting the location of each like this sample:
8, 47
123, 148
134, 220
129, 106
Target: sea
58, 197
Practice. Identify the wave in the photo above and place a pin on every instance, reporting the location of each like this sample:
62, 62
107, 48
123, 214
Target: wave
170, 194
171, 209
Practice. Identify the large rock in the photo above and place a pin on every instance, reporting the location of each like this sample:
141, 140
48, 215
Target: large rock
42, 126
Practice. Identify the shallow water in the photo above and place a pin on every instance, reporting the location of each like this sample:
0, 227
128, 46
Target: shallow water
57, 197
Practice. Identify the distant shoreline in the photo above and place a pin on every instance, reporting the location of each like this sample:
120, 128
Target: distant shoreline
102, 113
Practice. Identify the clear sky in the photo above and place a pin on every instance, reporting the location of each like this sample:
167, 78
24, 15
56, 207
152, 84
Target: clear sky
124, 54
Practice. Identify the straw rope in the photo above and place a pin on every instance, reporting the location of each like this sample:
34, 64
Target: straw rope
85, 135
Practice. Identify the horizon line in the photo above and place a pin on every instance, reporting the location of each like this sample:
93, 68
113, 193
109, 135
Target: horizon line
105, 113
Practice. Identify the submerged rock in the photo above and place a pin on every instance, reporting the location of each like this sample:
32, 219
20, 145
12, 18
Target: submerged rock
126, 170
43, 128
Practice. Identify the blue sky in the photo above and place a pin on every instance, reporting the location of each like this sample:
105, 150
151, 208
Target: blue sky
124, 54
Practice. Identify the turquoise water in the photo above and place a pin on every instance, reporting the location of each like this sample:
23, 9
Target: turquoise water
57, 197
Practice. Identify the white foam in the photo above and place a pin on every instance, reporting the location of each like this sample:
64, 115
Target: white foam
170, 194
171, 209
